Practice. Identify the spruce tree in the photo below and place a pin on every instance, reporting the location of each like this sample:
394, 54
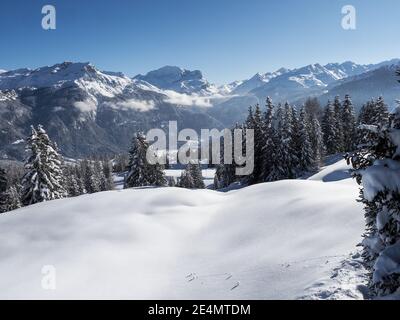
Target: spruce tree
191, 177
255, 122
348, 124
13, 199
3, 189
306, 155
72, 184
339, 138
141, 173
269, 148
367, 113
225, 173
277, 170
287, 135
377, 169
43, 179
317, 143
329, 130
380, 114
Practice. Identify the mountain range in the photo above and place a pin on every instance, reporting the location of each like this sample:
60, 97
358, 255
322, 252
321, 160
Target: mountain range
88, 111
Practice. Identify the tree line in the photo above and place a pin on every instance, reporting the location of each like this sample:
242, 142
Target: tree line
140, 173
291, 143
47, 176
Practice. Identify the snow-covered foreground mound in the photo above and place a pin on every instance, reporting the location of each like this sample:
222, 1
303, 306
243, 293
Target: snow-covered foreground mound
269, 241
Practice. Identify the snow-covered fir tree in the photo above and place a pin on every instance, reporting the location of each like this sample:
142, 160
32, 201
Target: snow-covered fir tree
317, 142
305, 151
287, 133
191, 177
255, 122
13, 199
72, 184
277, 169
43, 179
225, 173
380, 115
330, 130
141, 173
337, 107
348, 124
3, 189
91, 179
100, 176
107, 169
366, 113
269, 148
377, 170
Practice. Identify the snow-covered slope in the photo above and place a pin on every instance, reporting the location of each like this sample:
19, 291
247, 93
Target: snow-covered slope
269, 241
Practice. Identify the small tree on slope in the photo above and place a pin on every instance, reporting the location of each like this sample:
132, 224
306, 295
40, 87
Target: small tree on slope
43, 179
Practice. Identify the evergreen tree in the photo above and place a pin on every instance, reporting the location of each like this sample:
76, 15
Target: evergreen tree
13, 199
255, 122
3, 189
79, 174
380, 114
43, 179
268, 150
191, 177
329, 129
277, 170
313, 108
339, 138
107, 170
100, 176
367, 113
306, 155
225, 173
287, 135
349, 124
317, 143
141, 173
72, 184
377, 168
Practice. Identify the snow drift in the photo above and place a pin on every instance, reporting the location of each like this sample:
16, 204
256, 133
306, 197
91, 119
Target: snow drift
269, 241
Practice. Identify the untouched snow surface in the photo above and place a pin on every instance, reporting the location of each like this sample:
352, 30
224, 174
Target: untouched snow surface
282, 240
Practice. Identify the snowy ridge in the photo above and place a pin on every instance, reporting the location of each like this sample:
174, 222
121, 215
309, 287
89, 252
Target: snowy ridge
85, 75
230, 245
179, 80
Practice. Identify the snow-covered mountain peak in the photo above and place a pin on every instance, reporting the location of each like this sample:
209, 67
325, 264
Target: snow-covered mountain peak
179, 80
85, 75
258, 80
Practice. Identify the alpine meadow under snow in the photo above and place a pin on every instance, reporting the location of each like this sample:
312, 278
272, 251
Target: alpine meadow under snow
291, 239
115, 216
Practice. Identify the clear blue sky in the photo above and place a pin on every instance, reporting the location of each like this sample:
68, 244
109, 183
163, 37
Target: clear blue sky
227, 40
